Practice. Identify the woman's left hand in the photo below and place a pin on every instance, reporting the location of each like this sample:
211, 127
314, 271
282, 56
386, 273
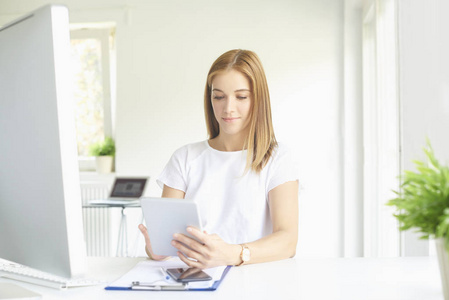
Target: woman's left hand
207, 251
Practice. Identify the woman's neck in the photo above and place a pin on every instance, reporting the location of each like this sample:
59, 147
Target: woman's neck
227, 143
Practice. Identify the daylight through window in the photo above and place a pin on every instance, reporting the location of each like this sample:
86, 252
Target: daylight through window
91, 64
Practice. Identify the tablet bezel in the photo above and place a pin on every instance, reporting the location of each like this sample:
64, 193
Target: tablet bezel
181, 213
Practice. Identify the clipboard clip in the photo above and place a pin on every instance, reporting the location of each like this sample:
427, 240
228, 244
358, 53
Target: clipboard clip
157, 286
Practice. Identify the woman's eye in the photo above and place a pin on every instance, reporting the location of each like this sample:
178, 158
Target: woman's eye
218, 97
242, 97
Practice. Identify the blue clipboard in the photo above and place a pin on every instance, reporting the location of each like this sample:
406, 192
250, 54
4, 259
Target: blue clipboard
149, 271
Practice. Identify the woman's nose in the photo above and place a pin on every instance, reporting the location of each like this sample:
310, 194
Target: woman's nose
230, 105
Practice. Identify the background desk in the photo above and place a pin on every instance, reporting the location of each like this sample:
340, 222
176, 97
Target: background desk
340, 278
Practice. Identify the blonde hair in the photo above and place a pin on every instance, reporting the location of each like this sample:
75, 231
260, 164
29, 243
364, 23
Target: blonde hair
261, 141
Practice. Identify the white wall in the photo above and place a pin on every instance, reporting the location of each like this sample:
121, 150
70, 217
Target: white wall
424, 87
164, 51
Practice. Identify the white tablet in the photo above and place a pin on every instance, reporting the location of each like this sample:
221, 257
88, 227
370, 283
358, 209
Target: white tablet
165, 217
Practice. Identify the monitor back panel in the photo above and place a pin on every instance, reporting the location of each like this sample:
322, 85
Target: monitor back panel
40, 203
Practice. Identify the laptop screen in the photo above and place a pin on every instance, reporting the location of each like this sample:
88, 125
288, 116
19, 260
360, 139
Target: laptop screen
128, 187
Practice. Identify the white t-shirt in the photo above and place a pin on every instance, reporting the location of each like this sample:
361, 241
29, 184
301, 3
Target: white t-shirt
232, 204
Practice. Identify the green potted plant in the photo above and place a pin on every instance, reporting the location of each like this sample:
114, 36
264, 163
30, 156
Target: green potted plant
423, 204
104, 153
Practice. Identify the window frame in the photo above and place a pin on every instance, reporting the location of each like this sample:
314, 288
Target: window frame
382, 128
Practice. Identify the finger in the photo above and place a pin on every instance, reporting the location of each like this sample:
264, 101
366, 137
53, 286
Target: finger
143, 229
153, 256
159, 257
196, 233
189, 262
189, 242
186, 250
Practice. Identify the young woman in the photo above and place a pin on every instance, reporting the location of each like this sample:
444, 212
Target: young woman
241, 178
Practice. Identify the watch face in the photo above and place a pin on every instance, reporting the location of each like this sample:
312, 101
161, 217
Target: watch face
246, 255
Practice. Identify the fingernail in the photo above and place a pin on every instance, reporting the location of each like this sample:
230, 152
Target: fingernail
189, 229
175, 235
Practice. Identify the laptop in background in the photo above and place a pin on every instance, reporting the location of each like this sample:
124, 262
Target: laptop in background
125, 190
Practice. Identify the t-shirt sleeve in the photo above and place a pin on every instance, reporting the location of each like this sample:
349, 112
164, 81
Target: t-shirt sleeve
282, 169
173, 174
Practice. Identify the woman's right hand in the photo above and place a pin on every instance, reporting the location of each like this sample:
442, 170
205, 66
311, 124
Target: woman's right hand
148, 248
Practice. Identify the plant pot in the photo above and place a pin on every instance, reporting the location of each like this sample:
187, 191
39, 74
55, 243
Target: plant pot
443, 262
104, 164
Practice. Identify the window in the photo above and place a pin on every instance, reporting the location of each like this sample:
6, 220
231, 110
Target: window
381, 129
92, 58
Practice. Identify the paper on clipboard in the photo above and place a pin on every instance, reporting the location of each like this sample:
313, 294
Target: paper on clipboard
149, 273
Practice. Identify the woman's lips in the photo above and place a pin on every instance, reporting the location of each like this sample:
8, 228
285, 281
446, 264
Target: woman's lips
230, 120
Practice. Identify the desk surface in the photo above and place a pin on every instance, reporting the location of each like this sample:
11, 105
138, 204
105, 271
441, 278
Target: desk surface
331, 278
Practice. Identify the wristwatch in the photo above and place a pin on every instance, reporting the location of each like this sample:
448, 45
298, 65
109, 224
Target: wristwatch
245, 255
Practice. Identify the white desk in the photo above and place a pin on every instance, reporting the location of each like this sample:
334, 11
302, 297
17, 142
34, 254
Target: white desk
358, 279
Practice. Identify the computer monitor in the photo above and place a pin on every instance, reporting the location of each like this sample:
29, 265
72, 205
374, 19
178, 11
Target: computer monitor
40, 199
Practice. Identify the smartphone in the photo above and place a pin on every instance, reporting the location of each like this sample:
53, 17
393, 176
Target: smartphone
188, 274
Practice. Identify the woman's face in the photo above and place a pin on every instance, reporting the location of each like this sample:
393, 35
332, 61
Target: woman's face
231, 102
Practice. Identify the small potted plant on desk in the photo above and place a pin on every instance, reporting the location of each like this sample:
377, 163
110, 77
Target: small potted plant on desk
423, 204
104, 155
